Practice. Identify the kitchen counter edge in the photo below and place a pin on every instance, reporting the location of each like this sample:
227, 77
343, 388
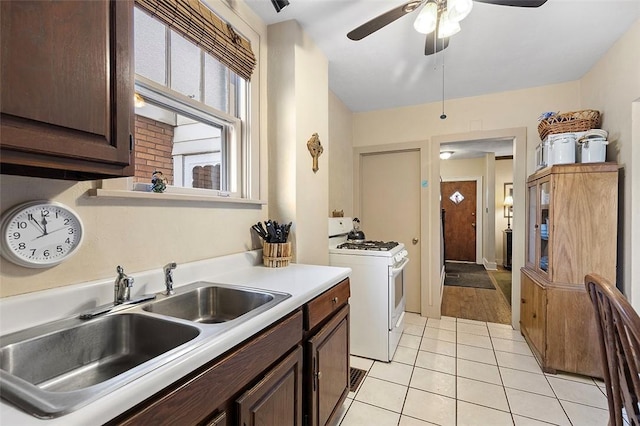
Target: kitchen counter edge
303, 282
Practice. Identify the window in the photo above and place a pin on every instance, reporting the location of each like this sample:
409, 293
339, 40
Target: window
193, 123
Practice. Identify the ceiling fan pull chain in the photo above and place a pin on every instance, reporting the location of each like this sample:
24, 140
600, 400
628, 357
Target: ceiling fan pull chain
443, 115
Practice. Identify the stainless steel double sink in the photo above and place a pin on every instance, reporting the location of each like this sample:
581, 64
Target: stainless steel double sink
56, 368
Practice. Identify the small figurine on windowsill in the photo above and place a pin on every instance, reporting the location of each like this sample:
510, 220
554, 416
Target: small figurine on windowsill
158, 181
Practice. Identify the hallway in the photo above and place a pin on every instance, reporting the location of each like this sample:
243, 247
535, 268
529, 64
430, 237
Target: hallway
478, 304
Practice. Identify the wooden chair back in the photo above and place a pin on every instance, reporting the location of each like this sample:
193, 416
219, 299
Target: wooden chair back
619, 332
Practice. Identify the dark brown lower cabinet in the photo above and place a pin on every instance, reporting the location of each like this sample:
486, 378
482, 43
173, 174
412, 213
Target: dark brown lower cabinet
294, 373
218, 420
329, 354
326, 383
202, 396
276, 399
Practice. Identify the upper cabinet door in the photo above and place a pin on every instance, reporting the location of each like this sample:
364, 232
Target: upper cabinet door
67, 88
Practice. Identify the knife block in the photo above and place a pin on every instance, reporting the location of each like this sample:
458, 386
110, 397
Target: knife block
276, 255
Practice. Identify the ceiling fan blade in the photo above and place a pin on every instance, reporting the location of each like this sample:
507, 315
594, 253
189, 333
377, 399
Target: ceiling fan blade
383, 20
433, 45
516, 3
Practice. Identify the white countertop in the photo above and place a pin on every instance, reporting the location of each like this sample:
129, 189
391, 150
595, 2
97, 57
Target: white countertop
303, 282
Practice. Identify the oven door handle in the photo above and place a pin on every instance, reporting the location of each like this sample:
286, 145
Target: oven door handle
400, 320
396, 270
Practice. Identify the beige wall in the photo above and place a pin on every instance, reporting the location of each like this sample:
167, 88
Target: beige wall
462, 168
298, 108
489, 112
340, 157
139, 234
611, 87
504, 174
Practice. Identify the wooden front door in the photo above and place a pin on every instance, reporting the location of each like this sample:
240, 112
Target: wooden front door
459, 203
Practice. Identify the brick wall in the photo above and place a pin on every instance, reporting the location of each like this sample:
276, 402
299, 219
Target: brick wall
207, 177
153, 146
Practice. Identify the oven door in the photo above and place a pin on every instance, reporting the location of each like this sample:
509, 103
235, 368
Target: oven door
397, 304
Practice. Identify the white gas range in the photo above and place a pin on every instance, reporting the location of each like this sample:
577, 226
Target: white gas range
377, 290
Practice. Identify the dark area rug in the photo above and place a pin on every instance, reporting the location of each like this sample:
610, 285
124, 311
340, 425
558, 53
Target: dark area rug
503, 281
467, 275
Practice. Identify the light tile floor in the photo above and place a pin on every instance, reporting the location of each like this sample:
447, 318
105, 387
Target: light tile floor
463, 372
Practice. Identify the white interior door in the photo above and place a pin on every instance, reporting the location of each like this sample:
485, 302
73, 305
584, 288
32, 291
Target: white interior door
390, 208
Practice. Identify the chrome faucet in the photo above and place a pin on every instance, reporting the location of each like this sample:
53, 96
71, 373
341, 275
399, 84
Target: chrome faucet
168, 277
121, 297
122, 288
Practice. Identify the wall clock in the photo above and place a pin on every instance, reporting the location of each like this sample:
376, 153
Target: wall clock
39, 234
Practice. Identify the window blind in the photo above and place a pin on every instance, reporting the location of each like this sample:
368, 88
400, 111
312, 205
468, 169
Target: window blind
198, 23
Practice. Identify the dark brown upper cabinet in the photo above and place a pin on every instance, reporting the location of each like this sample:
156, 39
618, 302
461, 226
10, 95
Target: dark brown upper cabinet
67, 85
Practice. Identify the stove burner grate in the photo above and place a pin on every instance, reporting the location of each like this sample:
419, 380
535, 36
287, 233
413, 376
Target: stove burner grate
369, 245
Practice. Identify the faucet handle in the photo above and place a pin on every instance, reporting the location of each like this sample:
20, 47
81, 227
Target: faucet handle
168, 277
128, 281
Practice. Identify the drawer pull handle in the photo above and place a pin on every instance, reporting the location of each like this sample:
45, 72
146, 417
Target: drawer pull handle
334, 300
535, 316
523, 301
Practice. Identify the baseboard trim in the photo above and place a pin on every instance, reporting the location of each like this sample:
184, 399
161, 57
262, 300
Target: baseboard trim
489, 266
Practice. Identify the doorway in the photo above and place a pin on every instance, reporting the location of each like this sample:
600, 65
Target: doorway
390, 208
460, 205
518, 138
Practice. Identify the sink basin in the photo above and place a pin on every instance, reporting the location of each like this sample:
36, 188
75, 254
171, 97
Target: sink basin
55, 368
61, 368
212, 304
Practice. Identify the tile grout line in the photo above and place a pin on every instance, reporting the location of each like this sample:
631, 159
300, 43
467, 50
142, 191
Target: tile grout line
504, 388
413, 369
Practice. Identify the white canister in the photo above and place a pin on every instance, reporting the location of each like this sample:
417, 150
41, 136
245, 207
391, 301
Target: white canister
593, 150
562, 149
542, 154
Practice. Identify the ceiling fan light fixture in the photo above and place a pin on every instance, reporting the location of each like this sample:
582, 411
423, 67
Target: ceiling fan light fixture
459, 9
447, 27
426, 20
445, 155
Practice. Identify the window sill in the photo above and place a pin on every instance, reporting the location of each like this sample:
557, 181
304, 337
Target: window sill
169, 196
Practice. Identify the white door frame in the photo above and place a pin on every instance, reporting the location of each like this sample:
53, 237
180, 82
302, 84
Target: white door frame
519, 136
479, 215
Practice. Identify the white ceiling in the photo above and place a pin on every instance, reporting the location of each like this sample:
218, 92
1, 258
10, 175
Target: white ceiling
476, 149
499, 48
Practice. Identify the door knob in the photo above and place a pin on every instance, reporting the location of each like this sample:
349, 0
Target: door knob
414, 241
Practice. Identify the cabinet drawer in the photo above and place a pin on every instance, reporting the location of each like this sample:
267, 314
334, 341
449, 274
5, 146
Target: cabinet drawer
326, 304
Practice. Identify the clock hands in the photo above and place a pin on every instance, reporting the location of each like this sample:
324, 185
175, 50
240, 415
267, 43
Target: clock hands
38, 224
43, 228
44, 223
49, 233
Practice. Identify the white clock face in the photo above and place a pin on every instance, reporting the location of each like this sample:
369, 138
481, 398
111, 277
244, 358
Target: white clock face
40, 234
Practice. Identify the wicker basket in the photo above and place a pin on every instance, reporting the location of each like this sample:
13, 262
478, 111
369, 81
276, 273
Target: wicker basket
574, 121
276, 255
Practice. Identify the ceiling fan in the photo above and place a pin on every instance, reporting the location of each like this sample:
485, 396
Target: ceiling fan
438, 19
